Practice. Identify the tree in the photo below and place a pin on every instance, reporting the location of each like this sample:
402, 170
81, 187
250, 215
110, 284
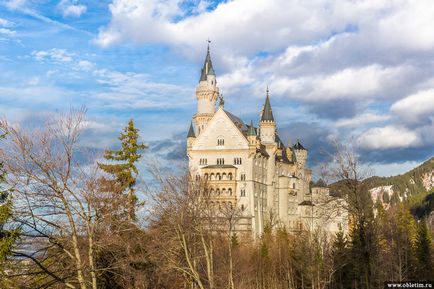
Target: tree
124, 171
59, 205
349, 175
8, 237
424, 252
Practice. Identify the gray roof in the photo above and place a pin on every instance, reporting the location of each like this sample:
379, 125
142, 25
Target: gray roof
191, 131
267, 114
207, 67
237, 121
298, 146
251, 130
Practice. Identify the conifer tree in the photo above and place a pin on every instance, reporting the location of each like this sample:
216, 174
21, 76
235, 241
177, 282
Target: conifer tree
7, 237
424, 252
123, 165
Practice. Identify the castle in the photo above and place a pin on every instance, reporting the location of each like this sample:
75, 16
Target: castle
250, 167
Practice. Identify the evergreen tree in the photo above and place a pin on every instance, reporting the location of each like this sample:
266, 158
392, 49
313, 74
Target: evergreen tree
7, 237
341, 262
123, 165
423, 252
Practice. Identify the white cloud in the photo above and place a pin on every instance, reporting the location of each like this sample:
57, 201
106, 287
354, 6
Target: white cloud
362, 119
71, 8
7, 31
85, 65
6, 23
14, 4
54, 54
136, 90
389, 137
416, 107
245, 24
351, 83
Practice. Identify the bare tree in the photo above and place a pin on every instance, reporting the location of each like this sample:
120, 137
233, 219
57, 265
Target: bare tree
350, 176
57, 202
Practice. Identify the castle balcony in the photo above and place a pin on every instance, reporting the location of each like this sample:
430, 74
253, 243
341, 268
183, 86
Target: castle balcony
220, 174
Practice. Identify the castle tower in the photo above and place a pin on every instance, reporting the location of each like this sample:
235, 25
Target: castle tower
267, 125
300, 153
251, 135
191, 136
267, 133
207, 93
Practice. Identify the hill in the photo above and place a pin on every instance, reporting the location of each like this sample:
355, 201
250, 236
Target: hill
415, 188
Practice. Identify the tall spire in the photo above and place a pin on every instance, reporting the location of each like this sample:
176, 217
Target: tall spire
207, 66
267, 114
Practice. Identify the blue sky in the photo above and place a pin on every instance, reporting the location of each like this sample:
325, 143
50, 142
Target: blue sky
359, 71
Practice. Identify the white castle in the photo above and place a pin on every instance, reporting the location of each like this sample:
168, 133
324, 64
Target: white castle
250, 167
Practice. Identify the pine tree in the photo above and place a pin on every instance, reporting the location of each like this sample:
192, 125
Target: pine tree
7, 237
423, 252
123, 167
341, 262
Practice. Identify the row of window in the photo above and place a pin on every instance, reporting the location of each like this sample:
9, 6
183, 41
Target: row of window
220, 142
218, 176
221, 161
221, 204
217, 192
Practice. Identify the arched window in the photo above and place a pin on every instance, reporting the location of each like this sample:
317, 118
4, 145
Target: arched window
224, 192
230, 192
224, 176
218, 176
230, 176
293, 185
220, 141
218, 192
212, 176
206, 176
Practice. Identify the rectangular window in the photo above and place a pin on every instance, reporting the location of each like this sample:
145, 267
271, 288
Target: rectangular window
243, 192
243, 177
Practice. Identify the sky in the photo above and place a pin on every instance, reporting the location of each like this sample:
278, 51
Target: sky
360, 71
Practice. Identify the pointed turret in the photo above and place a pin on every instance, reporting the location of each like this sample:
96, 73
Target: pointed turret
191, 131
267, 124
251, 131
207, 93
191, 136
207, 68
267, 113
251, 135
300, 153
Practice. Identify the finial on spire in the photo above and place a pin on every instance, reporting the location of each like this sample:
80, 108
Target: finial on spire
268, 91
209, 41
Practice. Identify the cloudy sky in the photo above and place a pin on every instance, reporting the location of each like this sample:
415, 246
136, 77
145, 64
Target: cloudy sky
356, 70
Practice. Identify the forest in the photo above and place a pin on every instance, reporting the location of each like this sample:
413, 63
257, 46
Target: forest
70, 218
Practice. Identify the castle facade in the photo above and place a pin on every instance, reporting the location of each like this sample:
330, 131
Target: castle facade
249, 166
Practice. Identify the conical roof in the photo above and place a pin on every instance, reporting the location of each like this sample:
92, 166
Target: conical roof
267, 114
298, 146
207, 68
251, 130
191, 131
